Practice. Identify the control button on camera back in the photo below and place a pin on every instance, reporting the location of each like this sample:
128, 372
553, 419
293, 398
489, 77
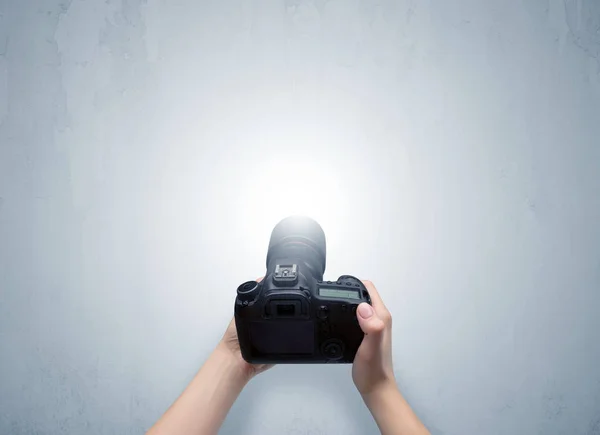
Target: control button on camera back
333, 349
323, 312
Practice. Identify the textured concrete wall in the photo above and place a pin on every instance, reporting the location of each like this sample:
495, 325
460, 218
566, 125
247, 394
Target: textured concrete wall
450, 149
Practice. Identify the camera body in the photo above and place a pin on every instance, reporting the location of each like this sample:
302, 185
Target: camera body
292, 315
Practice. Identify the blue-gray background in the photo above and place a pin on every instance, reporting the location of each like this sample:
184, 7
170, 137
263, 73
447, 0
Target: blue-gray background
456, 145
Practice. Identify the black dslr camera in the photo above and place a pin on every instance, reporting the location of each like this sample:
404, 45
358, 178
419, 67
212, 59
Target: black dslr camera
292, 315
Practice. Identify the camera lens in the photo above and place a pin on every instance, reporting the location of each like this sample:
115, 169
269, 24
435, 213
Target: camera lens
302, 238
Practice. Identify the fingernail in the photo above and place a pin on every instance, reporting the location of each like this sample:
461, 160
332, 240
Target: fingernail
365, 310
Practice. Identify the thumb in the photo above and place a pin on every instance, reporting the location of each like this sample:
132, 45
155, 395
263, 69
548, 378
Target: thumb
368, 320
372, 326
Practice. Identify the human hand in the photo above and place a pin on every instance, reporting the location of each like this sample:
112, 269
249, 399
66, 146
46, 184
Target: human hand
204, 404
373, 369
230, 345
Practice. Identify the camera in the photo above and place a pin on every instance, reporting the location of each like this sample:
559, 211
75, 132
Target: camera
293, 315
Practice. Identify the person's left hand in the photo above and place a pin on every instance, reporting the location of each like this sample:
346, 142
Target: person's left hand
230, 344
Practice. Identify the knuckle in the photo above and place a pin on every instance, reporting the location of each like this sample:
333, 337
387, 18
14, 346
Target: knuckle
386, 316
381, 326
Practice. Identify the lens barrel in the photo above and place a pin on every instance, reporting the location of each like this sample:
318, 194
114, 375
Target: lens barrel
302, 238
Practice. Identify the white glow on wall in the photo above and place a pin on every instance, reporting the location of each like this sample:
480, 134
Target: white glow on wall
284, 186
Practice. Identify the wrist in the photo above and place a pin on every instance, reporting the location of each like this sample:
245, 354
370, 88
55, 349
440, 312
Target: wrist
391, 411
381, 392
233, 364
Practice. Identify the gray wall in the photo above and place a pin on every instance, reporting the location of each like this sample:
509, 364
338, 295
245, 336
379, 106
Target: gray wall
450, 150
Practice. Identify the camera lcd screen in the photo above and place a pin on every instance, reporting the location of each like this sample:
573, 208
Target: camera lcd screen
338, 293
283, 338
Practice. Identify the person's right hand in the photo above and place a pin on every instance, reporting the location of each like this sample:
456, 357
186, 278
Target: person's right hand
372, 369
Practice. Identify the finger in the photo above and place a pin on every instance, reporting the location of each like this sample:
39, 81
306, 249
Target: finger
259, 279
369, 321
376, 300
373, 326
